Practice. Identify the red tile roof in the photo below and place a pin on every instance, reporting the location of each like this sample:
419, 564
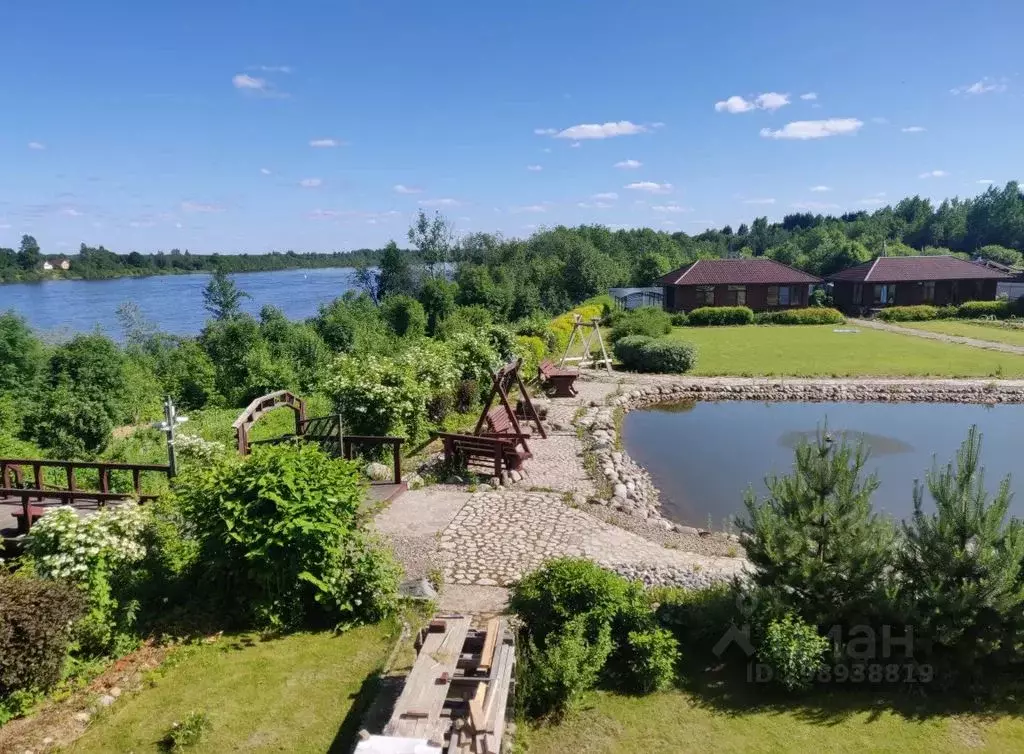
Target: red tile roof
737, 272
910, 269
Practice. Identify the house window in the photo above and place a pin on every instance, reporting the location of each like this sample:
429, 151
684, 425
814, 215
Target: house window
928, 292
884, 294
772, 298
705, 295
858, 294
779, 295
785, 293
737, 295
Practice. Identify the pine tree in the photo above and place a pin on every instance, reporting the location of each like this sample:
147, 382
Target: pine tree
814, 541
962, 581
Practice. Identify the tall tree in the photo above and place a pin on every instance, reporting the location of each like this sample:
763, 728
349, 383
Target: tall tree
29, 256
433, 238
221, 297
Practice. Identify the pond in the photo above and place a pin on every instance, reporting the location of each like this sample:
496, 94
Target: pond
705, 456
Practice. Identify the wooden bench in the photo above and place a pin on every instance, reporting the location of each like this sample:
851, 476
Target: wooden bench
492, 452
556, 380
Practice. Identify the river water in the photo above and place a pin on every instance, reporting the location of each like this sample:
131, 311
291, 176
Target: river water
173, 302
704, 457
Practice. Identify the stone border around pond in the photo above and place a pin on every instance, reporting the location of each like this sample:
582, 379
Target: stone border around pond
633, 492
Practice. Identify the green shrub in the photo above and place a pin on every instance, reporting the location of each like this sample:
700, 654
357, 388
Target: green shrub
377, 395
679, 319
627, 350
697, 617
794, 651
648, 320
532, 350
980, 309
404, 315
95, 554
667, 357
186, 732
650, 658
36, 616
946, 312
811, 316
919, 313
554, 678
279, 539
721, 315
561, 326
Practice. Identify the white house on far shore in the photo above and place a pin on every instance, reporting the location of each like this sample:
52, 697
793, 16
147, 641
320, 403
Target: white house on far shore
57, 264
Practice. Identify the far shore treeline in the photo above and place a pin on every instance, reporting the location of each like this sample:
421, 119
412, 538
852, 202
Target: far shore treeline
561, 266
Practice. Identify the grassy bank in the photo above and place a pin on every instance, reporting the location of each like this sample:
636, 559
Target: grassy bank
819, 351
997, 332
676, 721
292, 694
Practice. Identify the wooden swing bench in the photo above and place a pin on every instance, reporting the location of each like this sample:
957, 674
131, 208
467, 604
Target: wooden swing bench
498, 442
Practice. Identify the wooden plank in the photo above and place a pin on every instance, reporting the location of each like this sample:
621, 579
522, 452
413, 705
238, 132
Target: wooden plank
487, 653
497, 702
417, 712
476, 708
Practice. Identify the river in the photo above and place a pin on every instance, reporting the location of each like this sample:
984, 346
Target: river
705, 456
173, 302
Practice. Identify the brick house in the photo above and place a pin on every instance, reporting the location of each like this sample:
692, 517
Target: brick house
908, 281
761, 284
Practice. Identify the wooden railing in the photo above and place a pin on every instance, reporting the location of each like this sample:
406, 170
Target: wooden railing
350, 442
14, 483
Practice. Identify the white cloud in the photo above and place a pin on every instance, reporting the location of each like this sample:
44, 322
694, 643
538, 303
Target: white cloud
735, 104
986, 181
628, 164
444, 202
323, 214
71, 212
809, 96
530, 208
274, 68
601, 130
311, 183
872, 202
771, 100
814, 129
670, 208
814, 206
36, 145
545, 131
912, 129
984, 86
668, 223
191, 206
546, 150
764, 101
265, 171
879, 120
657, 124
594, 205
607, 195
534, 168
933, 174
650, 186
759, 201
244, 81
821, 188
400, 188
5, 226
323, 143
575, 144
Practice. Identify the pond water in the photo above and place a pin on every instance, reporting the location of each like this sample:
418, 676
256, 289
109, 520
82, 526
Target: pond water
173, 302
704, 456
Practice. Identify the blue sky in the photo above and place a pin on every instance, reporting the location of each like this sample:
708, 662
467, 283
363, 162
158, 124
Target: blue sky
259, 125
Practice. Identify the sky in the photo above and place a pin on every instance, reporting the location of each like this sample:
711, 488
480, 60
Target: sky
262, 125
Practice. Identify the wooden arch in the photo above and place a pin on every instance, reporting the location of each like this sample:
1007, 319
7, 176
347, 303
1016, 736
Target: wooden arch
263, 405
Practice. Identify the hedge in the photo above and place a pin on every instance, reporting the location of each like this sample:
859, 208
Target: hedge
979, 309
909, 313
647, 321
679, 319
643, 354
561, 325
815, 315
35, 631
721, 315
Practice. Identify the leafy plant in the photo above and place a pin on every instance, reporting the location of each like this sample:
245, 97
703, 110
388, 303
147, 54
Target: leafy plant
279, 539
35, 634
680, 319
920, 313
376, 395
995, 309
811, 316
187, 732
721, 315
648, 320
628, 350
404, 315
794, 651
667, 357
650, 658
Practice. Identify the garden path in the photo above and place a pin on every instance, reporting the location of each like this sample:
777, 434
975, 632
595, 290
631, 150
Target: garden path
987, 344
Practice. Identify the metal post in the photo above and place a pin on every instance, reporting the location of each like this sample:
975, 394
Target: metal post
170, 416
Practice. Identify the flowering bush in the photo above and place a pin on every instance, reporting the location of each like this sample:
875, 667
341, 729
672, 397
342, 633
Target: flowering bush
94, 554
377, 395
194, 449
475, 354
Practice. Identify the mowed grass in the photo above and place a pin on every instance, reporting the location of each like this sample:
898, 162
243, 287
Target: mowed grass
994, 332
818, 351
677, 721
290, 694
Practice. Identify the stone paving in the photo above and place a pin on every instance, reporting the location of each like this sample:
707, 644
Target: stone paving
499, 536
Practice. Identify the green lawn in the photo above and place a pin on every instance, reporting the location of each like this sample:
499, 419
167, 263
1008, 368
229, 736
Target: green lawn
289, 694
994, 331
677, 721
818, 351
